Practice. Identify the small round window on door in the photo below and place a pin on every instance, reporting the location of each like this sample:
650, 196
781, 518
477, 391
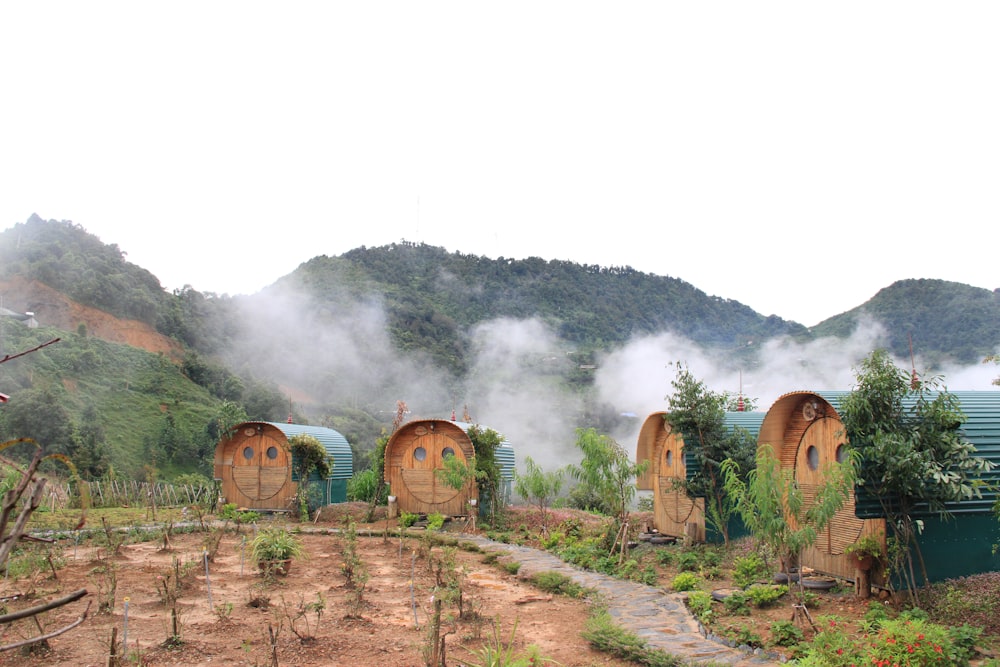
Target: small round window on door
272, 452
812, 457
248, 453
447, 452
419, 454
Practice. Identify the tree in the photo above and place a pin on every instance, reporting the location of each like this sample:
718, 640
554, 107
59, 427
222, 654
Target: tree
993, 359
538, 487
308, 456
913, 458
40, 415
485, 442
608, 471
774, 508
698, 414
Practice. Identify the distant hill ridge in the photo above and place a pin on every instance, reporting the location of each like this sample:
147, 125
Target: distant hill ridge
433, 297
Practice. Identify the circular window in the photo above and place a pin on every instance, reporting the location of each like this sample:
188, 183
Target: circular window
419, 454
812, 457
670, 457
446, 452
841, 453
248, 453
272, 452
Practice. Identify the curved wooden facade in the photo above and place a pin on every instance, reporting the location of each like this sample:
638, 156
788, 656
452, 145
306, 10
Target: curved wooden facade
807, 435
676, 513
254, 464
673, 509
414, 454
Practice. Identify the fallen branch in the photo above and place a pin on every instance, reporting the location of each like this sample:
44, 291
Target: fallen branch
42, 608
42, 638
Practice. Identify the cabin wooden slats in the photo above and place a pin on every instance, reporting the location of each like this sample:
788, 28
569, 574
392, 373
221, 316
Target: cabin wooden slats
673, 509
414, 455
807, 435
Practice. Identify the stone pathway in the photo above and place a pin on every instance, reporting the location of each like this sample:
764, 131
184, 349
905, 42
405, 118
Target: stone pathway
658, 617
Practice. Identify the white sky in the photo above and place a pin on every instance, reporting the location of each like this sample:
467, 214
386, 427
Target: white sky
794, 156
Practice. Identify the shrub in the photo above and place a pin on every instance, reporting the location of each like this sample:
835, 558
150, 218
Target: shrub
406, 519
700, 605
604, 635
685, 581
557, 582
765, 595
748, 569
737, 604
511, 567
435, 521
688, 561
785, 633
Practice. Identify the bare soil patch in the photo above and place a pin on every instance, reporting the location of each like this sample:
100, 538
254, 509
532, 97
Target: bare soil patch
234, 629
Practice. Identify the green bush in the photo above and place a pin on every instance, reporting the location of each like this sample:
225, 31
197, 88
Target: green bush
700, 605
406, 519
604, 635
786, 633
748, 569
688, 561
557, 582
737, 604
765, 595
435, 521
685, 581
511, 567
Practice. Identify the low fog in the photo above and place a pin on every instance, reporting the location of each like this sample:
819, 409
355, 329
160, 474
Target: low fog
327, 357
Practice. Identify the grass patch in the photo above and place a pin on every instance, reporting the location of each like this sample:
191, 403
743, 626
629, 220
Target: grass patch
604, 635
557, 582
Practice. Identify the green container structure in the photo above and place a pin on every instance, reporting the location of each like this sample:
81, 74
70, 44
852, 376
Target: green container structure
255, 469
333, 489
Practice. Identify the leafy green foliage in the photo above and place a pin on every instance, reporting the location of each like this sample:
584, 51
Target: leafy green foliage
605, 635
608, 471
685, 581
774, 508
913, 457
538, 487
698, 414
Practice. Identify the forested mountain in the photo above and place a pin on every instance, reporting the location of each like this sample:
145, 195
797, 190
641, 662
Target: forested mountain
945, 321
341, 338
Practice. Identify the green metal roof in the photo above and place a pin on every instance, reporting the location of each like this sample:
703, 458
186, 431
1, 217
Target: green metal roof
333, 442
749, 421
981, 429
504, 453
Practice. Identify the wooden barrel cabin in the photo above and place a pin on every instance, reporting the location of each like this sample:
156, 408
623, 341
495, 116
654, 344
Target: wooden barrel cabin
675, 513
414, 455
255, 469
805, 431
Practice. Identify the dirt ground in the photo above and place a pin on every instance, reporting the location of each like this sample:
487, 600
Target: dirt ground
233, 628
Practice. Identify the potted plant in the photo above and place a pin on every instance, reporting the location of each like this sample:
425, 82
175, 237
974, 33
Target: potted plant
274, 548
865, 551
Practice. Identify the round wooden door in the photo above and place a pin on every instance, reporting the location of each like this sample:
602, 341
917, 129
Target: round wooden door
421, 461
260, 465
677, 505
821, 445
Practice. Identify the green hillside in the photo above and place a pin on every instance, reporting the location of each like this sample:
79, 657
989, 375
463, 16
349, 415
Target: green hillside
946, 321
341, 338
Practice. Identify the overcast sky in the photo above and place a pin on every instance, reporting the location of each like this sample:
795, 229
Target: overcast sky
794, 156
